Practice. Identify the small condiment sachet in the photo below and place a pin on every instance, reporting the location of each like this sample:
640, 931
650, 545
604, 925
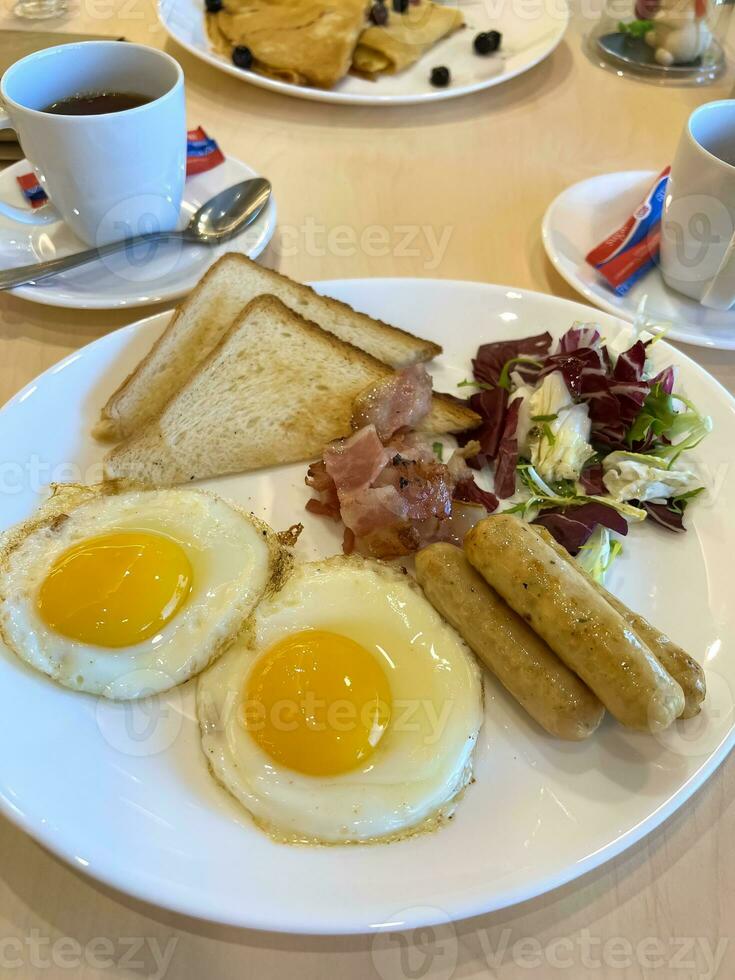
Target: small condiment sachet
632, 250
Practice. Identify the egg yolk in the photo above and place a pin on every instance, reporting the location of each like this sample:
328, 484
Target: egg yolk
116, 589
317, 702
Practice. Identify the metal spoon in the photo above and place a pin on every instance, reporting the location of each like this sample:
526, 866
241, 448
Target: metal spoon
220, 218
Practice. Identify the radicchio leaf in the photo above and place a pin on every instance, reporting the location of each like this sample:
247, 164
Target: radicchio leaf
491, 358
614, 394
584, 335
630, 364
666, 379
615, 401
468, 492
630, 396
491, 407
580, 368
591, 480
572, 527
507, 459
663, 514
614, 406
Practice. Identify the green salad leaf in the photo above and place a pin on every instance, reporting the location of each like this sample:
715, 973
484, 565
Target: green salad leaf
543, 496
674, 430
656, 417
598, 554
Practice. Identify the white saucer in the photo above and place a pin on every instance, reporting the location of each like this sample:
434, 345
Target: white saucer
581, 217
122, 281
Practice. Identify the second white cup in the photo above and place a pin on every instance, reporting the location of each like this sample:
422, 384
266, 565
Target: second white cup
698, 223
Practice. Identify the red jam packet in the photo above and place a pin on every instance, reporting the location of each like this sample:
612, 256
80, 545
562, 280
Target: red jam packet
202, 154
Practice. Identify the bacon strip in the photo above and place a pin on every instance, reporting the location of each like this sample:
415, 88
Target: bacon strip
399, 402
354, 463
384, 482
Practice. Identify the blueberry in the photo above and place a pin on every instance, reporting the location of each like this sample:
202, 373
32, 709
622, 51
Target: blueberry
379, 13
400, 6
213, 6
440, 77
242, 57
488, 41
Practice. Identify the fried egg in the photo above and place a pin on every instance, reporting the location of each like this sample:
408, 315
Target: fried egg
347, 710
128, 594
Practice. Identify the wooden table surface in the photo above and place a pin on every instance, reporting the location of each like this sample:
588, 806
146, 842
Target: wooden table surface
470, 180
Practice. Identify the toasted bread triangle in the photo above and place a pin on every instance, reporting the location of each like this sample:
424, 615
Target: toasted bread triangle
207, 313
275, 390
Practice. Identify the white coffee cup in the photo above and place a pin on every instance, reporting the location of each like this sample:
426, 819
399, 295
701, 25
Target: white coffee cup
698, 223
108, 176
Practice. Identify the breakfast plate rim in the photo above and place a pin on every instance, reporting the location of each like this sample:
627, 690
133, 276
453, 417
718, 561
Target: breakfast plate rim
146, 890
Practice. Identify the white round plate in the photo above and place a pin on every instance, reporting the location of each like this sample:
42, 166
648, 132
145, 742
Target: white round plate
124, 793
150, 274
584, 215
526, 42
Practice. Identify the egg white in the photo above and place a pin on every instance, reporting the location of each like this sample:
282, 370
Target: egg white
233, 557
423, 761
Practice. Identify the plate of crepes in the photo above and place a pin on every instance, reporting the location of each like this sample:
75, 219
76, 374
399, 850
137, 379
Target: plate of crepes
384, 52
319, 624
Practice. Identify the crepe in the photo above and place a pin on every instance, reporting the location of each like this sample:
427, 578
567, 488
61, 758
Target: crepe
305, 42
404, 39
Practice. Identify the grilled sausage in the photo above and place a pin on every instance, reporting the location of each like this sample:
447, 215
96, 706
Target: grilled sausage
591, 637
684, 669
551, 693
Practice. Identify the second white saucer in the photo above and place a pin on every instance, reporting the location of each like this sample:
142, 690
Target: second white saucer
149, 274
581, 217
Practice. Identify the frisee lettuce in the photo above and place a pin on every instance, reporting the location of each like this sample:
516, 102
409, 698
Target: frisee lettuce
564, 494
655, 418
673, 430
694, 427
599, 552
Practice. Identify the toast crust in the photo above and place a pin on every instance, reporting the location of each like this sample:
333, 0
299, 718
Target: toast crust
271, 305
261, 304
109, 427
